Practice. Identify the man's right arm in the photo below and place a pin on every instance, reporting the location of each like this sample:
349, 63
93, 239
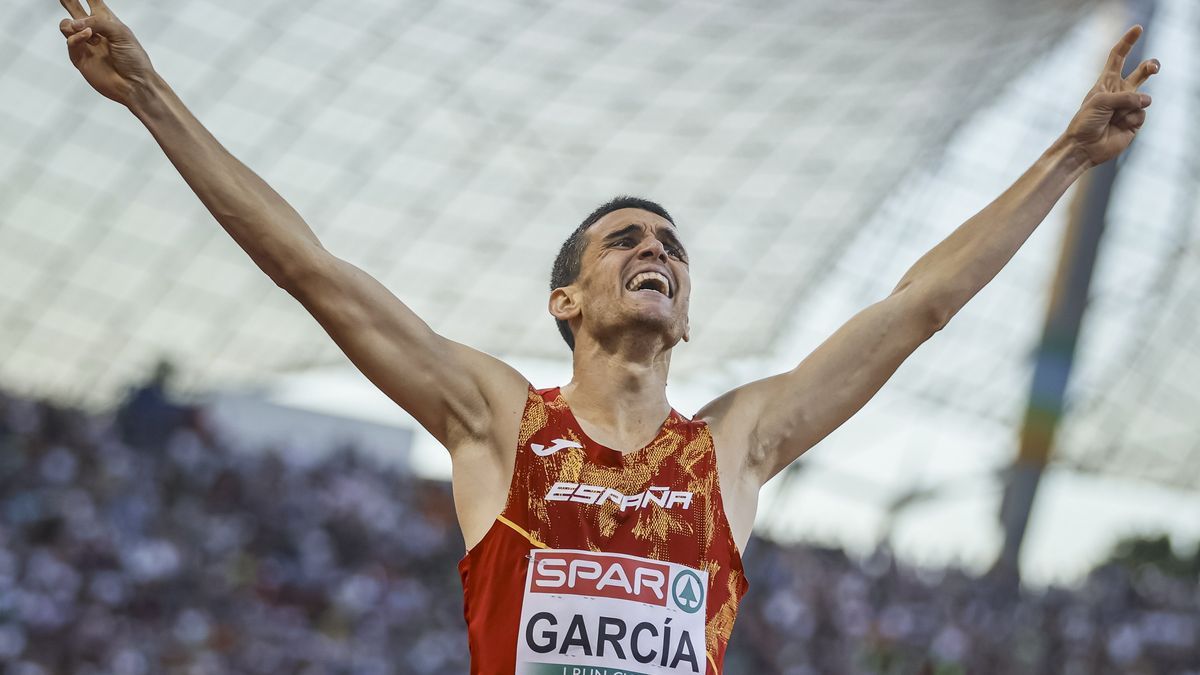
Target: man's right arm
465, 398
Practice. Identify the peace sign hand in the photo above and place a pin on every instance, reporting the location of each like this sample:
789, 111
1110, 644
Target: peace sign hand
1114, 110
106, 52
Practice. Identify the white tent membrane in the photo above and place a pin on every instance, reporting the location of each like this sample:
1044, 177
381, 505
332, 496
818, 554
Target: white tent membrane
449, 147
923, 462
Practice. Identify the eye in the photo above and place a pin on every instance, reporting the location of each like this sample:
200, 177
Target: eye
624, 242
676, 252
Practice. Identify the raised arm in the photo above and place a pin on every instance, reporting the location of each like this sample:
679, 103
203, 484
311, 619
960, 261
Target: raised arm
767, 424
469, 401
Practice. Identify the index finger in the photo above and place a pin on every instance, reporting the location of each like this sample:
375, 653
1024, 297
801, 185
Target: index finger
1116, 57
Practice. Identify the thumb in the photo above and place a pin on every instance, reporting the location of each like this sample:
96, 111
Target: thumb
100, 25
1120, 100
75, 46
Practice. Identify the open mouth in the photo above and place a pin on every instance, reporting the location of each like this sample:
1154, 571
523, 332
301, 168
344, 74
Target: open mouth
650, 281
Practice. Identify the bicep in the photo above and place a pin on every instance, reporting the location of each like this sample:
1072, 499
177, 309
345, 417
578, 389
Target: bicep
457, 393
782, 416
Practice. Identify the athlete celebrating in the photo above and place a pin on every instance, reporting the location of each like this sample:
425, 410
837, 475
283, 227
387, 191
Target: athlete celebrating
603, 528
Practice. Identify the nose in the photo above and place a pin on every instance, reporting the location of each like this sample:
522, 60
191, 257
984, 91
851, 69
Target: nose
652, 248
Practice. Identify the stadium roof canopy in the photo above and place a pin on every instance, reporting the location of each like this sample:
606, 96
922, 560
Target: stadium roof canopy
448, 148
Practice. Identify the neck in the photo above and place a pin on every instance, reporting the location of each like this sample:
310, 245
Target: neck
622, 390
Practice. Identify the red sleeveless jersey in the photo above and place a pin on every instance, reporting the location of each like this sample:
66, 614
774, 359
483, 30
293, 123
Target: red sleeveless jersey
602, 562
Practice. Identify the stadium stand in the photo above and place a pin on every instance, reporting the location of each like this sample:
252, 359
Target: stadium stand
177, 554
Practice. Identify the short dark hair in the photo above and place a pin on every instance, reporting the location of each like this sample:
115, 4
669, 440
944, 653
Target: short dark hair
570, 257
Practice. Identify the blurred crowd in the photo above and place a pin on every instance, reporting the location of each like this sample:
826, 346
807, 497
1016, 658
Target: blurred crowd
140, 542
816, 611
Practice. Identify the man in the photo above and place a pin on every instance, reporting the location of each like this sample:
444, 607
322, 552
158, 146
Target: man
603, 528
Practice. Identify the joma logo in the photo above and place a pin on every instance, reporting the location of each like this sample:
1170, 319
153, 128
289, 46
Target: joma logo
559, 444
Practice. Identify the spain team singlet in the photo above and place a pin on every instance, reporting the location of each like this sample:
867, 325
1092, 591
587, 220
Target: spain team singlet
604, 563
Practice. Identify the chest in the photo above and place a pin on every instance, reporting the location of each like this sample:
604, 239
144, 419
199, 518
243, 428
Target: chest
656, 501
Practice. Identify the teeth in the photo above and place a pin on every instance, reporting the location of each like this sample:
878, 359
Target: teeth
646, 276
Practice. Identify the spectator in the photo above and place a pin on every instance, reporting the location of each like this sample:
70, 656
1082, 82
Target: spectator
148, 414
132, 552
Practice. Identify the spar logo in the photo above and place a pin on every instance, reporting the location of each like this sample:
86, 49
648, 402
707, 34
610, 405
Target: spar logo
602, 576
688, 591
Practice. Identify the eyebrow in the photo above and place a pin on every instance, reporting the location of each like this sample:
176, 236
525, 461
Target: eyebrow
666, 234
624, 231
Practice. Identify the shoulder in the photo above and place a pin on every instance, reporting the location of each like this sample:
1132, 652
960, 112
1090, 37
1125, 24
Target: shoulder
691, 427
732, 420
730, 416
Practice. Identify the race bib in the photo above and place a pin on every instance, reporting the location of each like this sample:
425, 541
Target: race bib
587, 613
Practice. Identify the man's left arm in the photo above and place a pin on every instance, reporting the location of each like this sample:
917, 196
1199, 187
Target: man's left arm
767, 424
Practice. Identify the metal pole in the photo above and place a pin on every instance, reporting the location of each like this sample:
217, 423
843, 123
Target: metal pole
1056, 354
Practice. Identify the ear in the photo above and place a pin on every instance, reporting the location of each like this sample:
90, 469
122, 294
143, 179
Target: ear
563, 304
687, 332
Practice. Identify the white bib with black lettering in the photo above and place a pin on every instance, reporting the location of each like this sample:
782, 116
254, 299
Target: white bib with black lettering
587, 613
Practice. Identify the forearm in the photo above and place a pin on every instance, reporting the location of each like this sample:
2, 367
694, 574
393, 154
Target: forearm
955, 270
255, 215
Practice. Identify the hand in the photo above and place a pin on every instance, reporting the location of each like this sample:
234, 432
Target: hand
106, 52
1114, 110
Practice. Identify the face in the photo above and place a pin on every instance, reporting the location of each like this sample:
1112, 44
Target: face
633, 278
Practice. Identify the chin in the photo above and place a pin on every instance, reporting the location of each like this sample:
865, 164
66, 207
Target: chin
666, 328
